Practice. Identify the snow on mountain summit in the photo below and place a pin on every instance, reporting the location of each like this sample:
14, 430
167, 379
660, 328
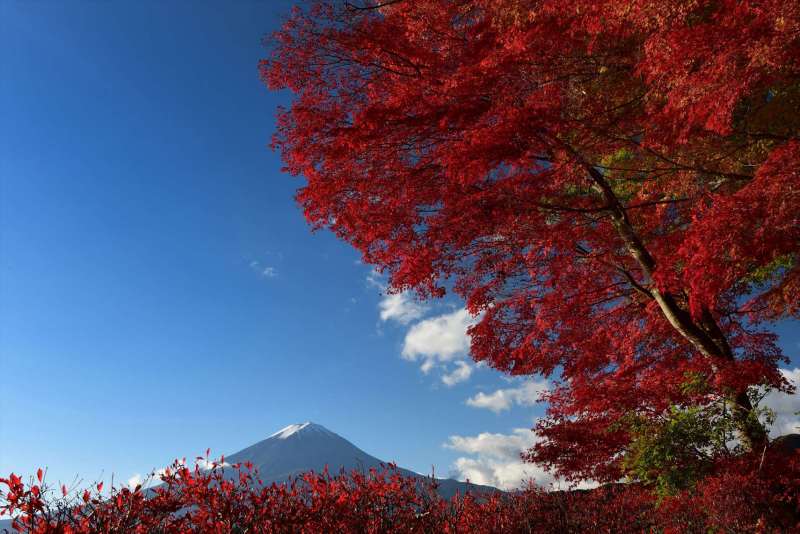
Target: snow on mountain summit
289, 430
301, 428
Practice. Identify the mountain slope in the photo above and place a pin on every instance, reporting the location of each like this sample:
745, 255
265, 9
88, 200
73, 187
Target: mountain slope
303, 447
310, 447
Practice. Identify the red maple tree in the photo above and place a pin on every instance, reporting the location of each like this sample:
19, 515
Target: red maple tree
613, 186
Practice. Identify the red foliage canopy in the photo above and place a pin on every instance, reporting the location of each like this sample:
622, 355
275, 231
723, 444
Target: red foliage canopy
614, 185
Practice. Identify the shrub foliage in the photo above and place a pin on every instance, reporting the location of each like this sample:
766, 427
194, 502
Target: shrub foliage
747, 494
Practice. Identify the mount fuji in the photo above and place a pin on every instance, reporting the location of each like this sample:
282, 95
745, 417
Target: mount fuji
311, 447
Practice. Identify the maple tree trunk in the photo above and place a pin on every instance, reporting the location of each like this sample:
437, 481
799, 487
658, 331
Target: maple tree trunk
706, 336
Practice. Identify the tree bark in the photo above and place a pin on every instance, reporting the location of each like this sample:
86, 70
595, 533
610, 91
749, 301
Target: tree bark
706, 336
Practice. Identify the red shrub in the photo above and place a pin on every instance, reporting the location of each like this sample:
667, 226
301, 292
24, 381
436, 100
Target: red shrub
746, 494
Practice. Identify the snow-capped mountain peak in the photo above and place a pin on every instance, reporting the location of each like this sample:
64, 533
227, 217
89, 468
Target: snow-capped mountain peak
308, 446
307, 430
289, 430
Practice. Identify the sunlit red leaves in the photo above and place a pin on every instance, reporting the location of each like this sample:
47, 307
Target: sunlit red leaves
764, 215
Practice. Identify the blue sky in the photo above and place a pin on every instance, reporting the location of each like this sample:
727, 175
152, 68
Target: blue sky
160, 292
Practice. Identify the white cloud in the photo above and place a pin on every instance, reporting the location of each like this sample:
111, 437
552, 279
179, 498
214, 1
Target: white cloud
267, 271
433, 342
375, 279
461, 373
785, 406
156, 474
208, 464
498, 446
525, 395
400, 307
439, 339
495, 459
135, 480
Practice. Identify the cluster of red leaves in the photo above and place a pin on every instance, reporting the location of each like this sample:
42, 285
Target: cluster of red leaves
738, 498
613, 186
